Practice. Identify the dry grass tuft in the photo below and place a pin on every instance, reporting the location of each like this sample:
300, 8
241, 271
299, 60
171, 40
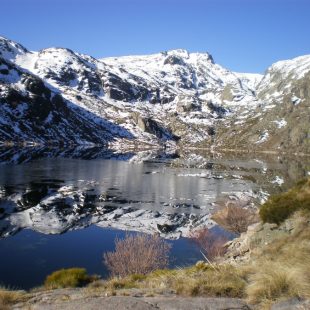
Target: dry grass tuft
282, 269
8, 298
199, 280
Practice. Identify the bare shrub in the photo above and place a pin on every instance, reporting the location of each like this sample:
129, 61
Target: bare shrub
137, 254
210, 243
235, 218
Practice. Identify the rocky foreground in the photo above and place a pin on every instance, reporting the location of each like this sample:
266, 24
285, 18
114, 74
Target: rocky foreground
72, 299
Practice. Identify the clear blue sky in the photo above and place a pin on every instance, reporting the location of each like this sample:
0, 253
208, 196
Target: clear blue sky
242, 35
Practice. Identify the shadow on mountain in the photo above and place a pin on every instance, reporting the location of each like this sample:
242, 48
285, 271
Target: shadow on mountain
42, 115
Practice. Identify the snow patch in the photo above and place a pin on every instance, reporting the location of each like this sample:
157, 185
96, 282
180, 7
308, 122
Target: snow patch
278, 180
263, 138
281, 123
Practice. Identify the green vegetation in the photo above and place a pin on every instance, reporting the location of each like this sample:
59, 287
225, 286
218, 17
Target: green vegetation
279, 207
72, 277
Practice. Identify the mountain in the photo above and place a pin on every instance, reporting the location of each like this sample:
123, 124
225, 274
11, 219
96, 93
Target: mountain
173, 98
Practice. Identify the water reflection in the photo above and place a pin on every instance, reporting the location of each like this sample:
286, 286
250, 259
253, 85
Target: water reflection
57, 207
149, 191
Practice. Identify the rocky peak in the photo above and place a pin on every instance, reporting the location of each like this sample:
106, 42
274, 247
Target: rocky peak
281, 76
10, 49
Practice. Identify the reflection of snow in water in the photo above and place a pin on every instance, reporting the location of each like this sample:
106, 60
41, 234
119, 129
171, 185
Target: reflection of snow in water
152, 196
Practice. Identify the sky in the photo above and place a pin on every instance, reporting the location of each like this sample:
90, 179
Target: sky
241, 35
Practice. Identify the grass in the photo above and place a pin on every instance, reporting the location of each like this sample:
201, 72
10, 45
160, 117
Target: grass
72, 277
8, 298
282, 269
198, 280
279, 207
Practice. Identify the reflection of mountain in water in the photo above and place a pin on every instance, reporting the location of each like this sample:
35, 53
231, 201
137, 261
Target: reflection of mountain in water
170, 197
52, 207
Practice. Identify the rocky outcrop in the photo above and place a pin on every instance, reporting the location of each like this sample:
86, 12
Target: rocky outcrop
75, 298
257, 236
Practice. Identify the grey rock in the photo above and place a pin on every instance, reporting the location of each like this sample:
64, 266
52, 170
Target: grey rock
292, 304
65, 302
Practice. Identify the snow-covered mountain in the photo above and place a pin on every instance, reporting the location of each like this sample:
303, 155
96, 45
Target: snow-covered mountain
57, 96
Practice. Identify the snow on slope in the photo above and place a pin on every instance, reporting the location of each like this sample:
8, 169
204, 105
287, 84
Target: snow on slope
10, 49
160, 98
250, 79
281, 77
183, 73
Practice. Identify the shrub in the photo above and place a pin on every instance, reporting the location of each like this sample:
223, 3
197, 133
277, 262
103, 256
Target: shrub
72, 277
137, 254
235, 219
279, 207
210, 243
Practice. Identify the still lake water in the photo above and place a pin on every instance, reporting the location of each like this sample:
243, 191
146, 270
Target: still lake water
64, 208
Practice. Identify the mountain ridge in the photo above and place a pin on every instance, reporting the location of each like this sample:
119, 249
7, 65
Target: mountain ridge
171, 99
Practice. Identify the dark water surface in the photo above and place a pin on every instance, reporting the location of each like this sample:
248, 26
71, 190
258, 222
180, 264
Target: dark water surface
64, 208
27, 257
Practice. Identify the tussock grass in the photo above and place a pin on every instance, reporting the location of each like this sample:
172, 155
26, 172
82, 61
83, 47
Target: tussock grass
282, 269
199, 280
8, 298
72, 277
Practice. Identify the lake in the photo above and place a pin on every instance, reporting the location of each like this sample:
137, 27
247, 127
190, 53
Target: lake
63, 208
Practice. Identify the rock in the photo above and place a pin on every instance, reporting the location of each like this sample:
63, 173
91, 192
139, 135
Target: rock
292, 304
166, 228
70, 299
174, 60
188, 104
257, 235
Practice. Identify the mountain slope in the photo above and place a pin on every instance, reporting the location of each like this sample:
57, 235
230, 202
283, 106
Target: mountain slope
281, 121
169, 98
